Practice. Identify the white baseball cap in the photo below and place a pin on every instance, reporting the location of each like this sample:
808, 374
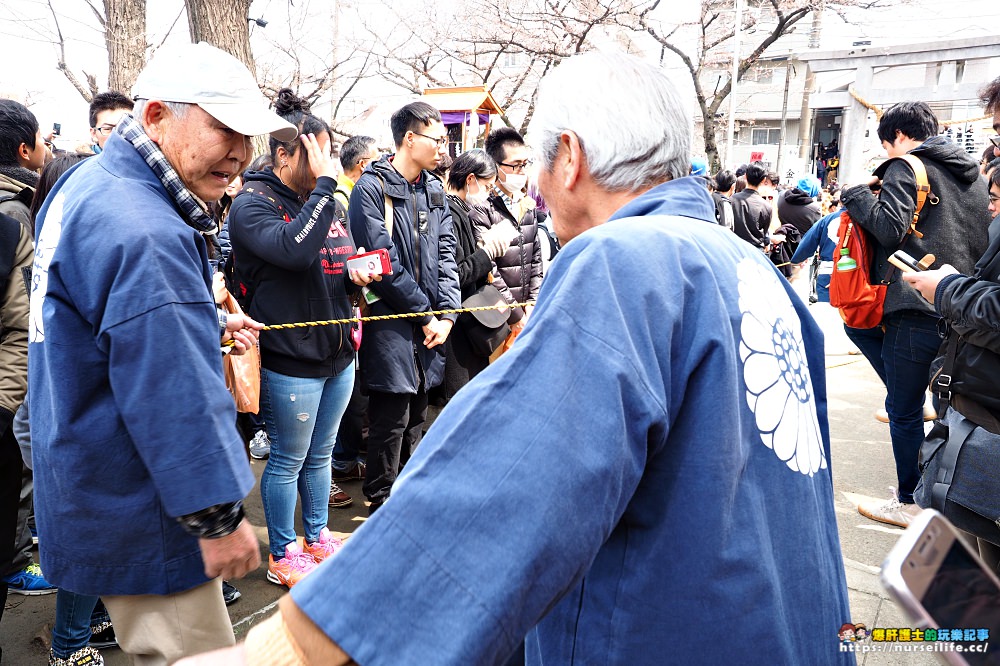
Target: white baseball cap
217, 82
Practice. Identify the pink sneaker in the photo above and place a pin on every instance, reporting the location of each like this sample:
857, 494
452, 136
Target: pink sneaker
325, 547
291, 568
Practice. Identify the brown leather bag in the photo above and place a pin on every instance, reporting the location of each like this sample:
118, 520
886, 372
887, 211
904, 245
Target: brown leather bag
242, 372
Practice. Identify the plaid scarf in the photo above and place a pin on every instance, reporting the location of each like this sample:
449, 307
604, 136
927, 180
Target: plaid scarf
192, 208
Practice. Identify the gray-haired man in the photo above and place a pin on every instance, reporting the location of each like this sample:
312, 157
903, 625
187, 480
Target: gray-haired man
145, 511
650, 461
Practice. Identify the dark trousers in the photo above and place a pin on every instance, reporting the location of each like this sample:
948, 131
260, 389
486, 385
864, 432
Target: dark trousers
911, 344
351, 435
10, 487
395, 427
869, 342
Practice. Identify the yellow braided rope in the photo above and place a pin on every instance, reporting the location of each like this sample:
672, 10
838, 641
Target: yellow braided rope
403, 315
880, 111
865, 103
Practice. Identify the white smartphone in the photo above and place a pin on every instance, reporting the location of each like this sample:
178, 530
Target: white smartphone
941, 583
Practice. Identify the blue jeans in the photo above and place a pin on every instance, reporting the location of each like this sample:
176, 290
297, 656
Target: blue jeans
302, 415
911, 344
869, 341
75, 614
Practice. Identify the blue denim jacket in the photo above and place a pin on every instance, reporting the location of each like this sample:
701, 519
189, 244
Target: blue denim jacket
131, 423
643, 478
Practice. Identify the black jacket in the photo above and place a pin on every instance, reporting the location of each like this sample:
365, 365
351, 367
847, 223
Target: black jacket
798, 209
751, 217
955, 230
723, 210
519, 270
972, 304
290, 256
474, 265
424, 276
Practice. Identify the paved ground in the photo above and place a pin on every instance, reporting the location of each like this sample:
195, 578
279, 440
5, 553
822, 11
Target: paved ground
862, 467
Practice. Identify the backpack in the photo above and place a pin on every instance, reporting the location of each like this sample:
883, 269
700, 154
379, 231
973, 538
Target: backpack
10, 236
237, 284
852, 290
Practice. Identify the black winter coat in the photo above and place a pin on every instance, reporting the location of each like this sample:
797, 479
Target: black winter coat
290, 258
797, 212
751, 217
798, 209
518, 273
955, 230
474, 266
424, 276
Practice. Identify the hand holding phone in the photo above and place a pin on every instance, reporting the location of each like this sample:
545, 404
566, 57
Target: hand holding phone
375, 262
942, 584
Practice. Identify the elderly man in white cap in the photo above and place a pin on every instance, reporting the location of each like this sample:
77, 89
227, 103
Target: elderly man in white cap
140, 472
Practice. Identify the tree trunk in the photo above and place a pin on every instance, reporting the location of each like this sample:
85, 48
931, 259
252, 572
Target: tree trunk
125, 36
222, 23
711, 149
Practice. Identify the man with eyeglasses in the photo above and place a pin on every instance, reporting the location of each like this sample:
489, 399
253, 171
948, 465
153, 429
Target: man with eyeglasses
106, 110
518, 273
356, 153
401, 359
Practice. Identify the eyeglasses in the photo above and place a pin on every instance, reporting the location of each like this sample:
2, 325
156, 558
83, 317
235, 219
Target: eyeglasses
440, 142
995, 140
105, 129
518, 166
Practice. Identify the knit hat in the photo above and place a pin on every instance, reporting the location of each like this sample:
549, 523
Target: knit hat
809, 185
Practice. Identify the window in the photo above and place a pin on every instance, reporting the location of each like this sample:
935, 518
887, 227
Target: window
511, 59
766, 136
759, 74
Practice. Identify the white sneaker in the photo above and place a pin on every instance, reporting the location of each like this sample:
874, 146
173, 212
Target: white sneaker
892, 511
260, 446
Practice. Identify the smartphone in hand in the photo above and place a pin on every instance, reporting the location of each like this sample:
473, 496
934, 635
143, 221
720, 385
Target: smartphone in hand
941, 584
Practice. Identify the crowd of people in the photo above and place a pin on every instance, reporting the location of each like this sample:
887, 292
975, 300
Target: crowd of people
619, 397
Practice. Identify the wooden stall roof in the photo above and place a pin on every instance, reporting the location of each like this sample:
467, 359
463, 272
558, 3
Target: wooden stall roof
468, 98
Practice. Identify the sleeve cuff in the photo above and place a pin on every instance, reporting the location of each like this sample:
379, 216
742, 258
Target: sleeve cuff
939, 296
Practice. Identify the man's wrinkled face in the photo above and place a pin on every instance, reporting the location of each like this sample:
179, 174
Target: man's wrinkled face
107, 120
205, 153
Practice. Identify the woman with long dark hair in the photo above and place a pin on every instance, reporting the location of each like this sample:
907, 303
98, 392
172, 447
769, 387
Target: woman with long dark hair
290, 244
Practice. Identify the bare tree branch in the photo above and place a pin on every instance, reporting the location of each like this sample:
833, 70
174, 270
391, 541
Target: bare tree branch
90, 90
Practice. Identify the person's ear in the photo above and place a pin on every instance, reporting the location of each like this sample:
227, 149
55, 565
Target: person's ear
281, 157
569, 163
23, 153
155, 119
